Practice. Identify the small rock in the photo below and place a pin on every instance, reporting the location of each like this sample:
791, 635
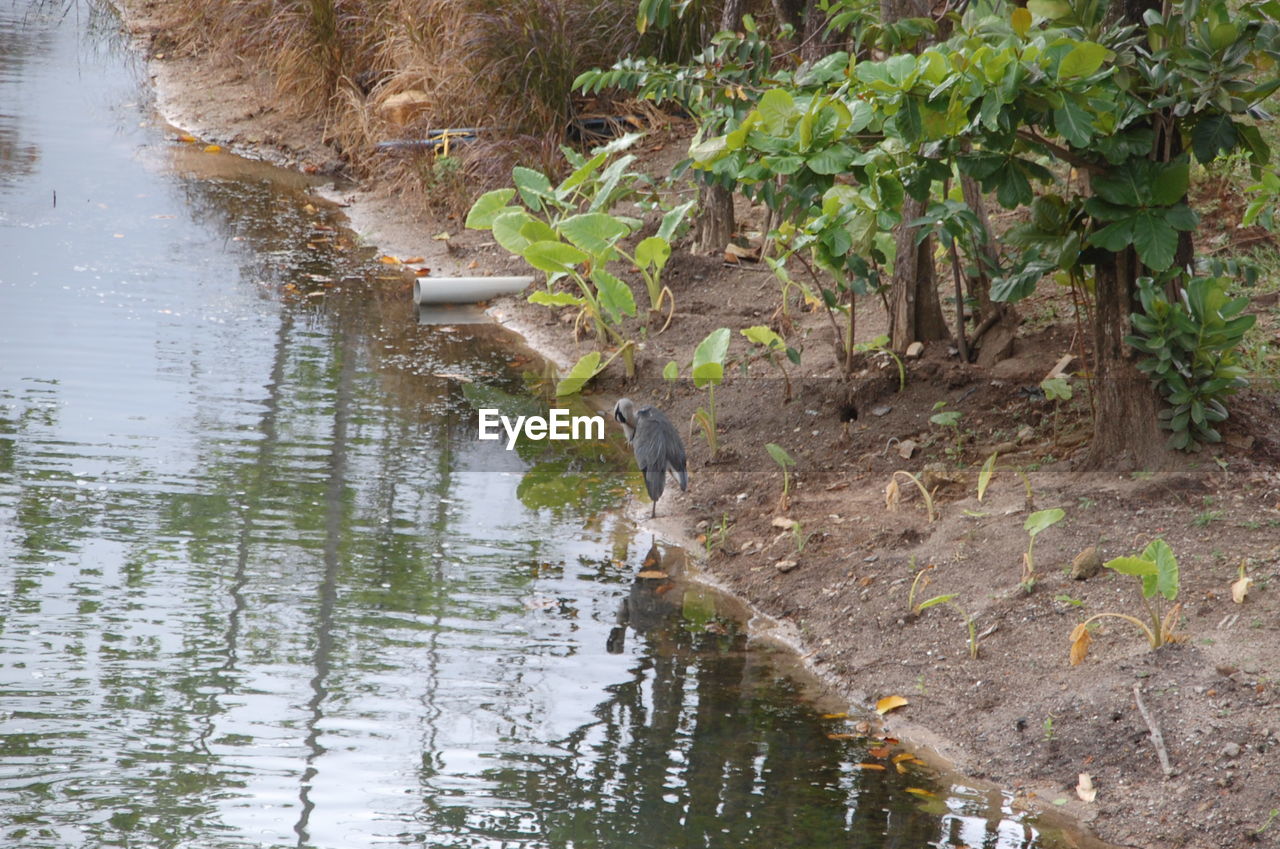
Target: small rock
1026, 433
934, 475
915, 350
882, 410
906, 448
1086, 564
784, 523
1231, 750
785, 565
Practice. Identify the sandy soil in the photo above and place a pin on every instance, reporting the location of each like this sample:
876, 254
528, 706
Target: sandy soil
842, 585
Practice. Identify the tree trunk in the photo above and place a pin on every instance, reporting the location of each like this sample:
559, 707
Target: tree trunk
1126, 432
715, 223
915, 314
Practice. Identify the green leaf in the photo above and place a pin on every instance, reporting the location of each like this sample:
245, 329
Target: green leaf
508, 229
1083, 59
1213, 134
984, 475
777, 107
779, 455
653, 251
594, 232
1020, 20
671, 370
708, 358
672, 220
616, 298
1132, 566
585, 369
1170, 183
947, 419
487, 207
556, 299
553, 256
1050, 9
1074, 123
537, 230
937, 599
762, 335
1043, 519
533, 185
1154, 240
832, 160
1166, 580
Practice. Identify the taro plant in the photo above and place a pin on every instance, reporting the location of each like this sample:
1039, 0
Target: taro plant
949, 600
568, 231
1035, 524
1193, 347
772, 348
949, 419
708, 371
1158, 570
893, 493
783, 459
988, 471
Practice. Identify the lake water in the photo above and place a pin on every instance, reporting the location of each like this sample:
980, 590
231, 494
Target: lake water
261, 586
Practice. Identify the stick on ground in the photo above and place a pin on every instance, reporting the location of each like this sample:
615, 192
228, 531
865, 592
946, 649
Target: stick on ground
1157, 739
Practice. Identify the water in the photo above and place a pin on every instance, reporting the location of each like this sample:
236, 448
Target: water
261, 586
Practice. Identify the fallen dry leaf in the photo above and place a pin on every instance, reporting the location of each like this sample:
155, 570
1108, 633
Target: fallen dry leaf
213, 148
920, 791
889, 703
879, 767
784, 523
651, 573
879, 751
1240, 589
1080, 639
841, 715
1085, 789
413, 260
387, 259
892, 495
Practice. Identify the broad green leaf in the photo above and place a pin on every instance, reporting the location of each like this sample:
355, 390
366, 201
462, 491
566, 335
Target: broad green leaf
508, 229
1074, 123
1132, 566
616, 298
762, 335
671, 370
487, 207
1084, 59
779, 454
947, 419
777, 107
537, 230
580, 175
1155, 241
553, 256
1042, 519
708, 358
585, 369
533, 186
1167, 580
832, 160
555, 299
653, 251
1171, 183
594, 232
1213, 134
672, 220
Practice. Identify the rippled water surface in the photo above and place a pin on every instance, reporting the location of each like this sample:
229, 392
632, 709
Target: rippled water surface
261, 586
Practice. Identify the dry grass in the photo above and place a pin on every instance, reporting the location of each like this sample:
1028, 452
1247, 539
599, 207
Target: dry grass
501, 65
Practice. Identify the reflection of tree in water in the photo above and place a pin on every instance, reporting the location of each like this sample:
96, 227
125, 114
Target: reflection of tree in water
705, 745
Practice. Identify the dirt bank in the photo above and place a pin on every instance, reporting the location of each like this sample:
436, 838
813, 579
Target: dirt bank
843, 580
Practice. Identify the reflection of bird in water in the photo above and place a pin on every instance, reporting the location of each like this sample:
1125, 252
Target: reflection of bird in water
656, 444
646, 607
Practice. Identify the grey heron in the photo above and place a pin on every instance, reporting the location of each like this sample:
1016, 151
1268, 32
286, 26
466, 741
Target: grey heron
656, 444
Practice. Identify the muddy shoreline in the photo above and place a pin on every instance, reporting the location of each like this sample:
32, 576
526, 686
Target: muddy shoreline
1018, 714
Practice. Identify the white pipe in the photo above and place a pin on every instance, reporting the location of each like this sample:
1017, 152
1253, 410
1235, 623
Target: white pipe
465, 290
